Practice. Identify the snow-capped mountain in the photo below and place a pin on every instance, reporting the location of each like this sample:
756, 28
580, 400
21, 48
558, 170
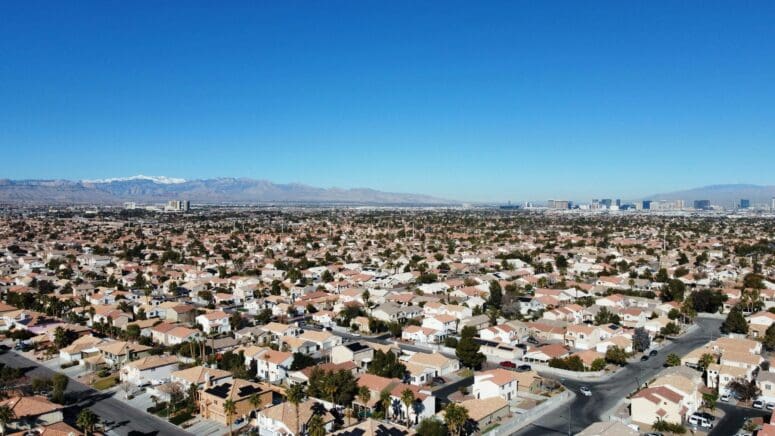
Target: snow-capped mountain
155, 179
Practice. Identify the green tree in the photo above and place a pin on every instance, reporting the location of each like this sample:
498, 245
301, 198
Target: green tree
230, 409
6, 416
295, 396
670, 329
384, 402
301, 361
640, 339
431, 427
672, 359
467, 350
455, 416
605, 316
598, 364
59, 383
316, 426
735, 322
407, 397
133, 331
86, 421
255, 402
705, 360
561, 262
496, 294
674, 291
616, 355
745, 390
386, 364
769, 338
709, 400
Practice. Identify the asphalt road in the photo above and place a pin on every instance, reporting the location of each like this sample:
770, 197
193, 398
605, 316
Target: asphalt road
118, 418
584, 411
734, 417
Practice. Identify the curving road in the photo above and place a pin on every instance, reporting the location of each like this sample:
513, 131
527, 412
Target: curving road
583, 411
119, 418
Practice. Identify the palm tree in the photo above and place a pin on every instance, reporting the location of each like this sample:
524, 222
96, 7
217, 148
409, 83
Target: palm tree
384, 400
230, 409
255, 402
455, 417
407, 397
86, 420
316, 426
6, 416
364, 395
295, 395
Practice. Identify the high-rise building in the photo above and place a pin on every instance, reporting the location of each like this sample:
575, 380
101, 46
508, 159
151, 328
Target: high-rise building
178, 206
607, 202
619, 202
745, 203
558, 204
772, 204
702, 204
646, 205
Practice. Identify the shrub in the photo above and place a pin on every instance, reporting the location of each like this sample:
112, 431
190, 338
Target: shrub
669, 427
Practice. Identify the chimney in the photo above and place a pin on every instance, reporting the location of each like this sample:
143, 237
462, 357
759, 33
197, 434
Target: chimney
208, 380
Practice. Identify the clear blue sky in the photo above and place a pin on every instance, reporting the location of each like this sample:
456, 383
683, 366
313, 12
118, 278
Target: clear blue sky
470, 100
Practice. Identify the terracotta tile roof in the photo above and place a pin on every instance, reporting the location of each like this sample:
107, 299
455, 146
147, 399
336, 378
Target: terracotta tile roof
26, 407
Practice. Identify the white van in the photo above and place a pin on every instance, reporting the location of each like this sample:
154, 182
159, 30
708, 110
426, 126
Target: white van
699, 421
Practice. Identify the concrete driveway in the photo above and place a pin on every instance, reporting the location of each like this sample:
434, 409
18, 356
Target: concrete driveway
207, 427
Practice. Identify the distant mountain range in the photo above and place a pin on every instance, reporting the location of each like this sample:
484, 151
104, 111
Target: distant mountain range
150, 189
722, 195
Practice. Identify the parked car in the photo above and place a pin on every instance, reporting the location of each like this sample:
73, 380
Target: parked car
654, 433
508, 364
585, 391
725, 397
705, 415
770, 406
700, 421
653, 353
532, 340
439, 380
644, 358
758, 404
524, 368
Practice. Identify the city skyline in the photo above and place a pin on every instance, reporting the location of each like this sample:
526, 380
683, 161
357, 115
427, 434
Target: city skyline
488, 103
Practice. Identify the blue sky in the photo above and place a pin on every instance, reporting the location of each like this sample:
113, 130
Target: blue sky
463, 100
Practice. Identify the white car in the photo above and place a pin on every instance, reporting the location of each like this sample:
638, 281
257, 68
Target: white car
725, 398
758, 404
585, 391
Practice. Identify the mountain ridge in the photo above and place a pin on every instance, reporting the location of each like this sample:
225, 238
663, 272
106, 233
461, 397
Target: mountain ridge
722, 194
222, 190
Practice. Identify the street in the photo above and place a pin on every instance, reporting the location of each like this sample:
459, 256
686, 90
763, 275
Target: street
117, 417
584, 410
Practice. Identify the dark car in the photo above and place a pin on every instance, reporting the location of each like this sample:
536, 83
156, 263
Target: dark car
508, 364
532, 340
644, 358
438, 380
705, 415
524, 368
653, 353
